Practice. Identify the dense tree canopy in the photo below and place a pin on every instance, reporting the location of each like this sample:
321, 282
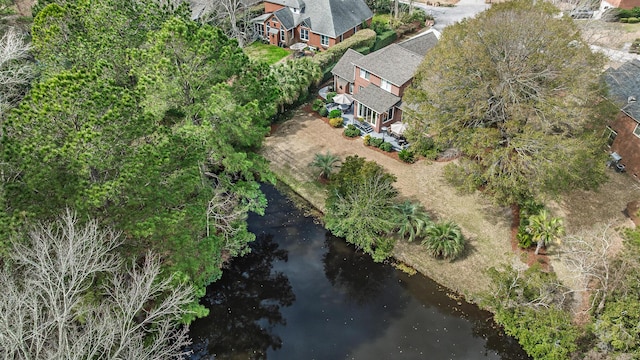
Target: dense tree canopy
516, 90
147, 122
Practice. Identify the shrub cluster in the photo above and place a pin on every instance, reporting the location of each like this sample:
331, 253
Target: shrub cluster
335, 113
351, 131
323, 112
330, 96
527, 208
407, 156
317, 105
336, 122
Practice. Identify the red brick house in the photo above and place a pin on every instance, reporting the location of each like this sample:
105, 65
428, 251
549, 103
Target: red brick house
624, 130
319, 23
622, 4
378, 80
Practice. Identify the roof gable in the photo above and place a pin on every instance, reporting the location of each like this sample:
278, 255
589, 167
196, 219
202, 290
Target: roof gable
344, 67
385, 64
335, 17
422, 43
624, 87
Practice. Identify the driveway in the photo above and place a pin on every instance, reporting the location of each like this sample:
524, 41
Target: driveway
445, 16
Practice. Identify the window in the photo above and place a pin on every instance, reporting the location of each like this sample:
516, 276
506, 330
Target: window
385, 85
636, 131
260, 29
364, 74
341, 37
282, 34
611, 135
268, 29
324, 40
355, 29
304, 34
350, 88
390, 114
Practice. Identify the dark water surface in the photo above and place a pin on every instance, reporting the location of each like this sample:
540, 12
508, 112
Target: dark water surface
305, 294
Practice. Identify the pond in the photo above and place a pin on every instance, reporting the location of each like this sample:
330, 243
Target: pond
305, 294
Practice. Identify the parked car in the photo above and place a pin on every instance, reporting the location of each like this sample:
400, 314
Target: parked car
581, 13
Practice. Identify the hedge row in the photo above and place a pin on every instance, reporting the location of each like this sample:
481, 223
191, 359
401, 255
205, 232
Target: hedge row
384, 39
362, 38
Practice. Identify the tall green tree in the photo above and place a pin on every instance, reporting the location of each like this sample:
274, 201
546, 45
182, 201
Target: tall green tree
516, 89
361, 206
81, 33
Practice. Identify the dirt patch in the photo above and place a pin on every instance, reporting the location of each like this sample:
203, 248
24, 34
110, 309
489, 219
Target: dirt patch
24, 7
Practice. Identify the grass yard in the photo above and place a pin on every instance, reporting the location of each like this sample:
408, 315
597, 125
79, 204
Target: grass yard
271, 54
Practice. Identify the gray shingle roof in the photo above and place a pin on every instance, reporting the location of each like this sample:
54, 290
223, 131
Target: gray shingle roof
335, 17
422, 43
344, 67
288, 19
624, 85
376, 99
392, 63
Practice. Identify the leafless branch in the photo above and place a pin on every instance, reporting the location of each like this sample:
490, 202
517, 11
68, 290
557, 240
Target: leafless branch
66, 296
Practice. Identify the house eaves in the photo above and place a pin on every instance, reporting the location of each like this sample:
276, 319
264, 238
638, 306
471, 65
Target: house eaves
376, 99
392, 63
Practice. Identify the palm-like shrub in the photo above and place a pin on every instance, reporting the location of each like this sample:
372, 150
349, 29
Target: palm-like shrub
544, 229
413, 220
444, 240
326, 163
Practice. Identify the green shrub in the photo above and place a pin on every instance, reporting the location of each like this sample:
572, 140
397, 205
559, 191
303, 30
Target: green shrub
407, 156
323, 112
336, 122
351, 131
384, 39
376, 142
317, 105
624, 20
527, 209
385, 146
330, 96
335, 113
633, 20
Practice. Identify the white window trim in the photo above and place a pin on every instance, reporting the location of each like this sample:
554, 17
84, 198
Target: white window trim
305, 31
364, 74
636, 132
385, 85
322, 40
282, 35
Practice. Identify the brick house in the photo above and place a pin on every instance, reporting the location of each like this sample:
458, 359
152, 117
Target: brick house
378, 80
624, 130
319, 23
622, 4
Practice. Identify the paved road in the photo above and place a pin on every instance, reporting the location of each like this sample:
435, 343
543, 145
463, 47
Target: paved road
445, 16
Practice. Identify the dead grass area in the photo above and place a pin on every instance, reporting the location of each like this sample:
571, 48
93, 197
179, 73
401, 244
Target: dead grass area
24, 7
612, 35
488, 228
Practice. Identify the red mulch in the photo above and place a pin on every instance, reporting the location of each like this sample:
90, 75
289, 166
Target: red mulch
531, 256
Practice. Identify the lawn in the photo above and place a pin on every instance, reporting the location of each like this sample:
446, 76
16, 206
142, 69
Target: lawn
265, 52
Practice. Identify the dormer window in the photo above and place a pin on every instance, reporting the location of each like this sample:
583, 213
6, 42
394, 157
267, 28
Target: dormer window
295, 11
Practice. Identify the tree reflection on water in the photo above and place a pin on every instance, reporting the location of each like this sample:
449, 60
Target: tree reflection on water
353, 272
244, 306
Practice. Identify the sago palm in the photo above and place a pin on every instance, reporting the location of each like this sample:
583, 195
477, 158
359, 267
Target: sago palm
413, 219
326, 163
444, 240
544, 229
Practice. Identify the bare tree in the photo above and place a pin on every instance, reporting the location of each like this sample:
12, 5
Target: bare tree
66, 296
16, 70
227, 14
590, 257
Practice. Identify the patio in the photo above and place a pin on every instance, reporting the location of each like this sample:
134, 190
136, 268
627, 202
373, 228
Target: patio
397, 142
